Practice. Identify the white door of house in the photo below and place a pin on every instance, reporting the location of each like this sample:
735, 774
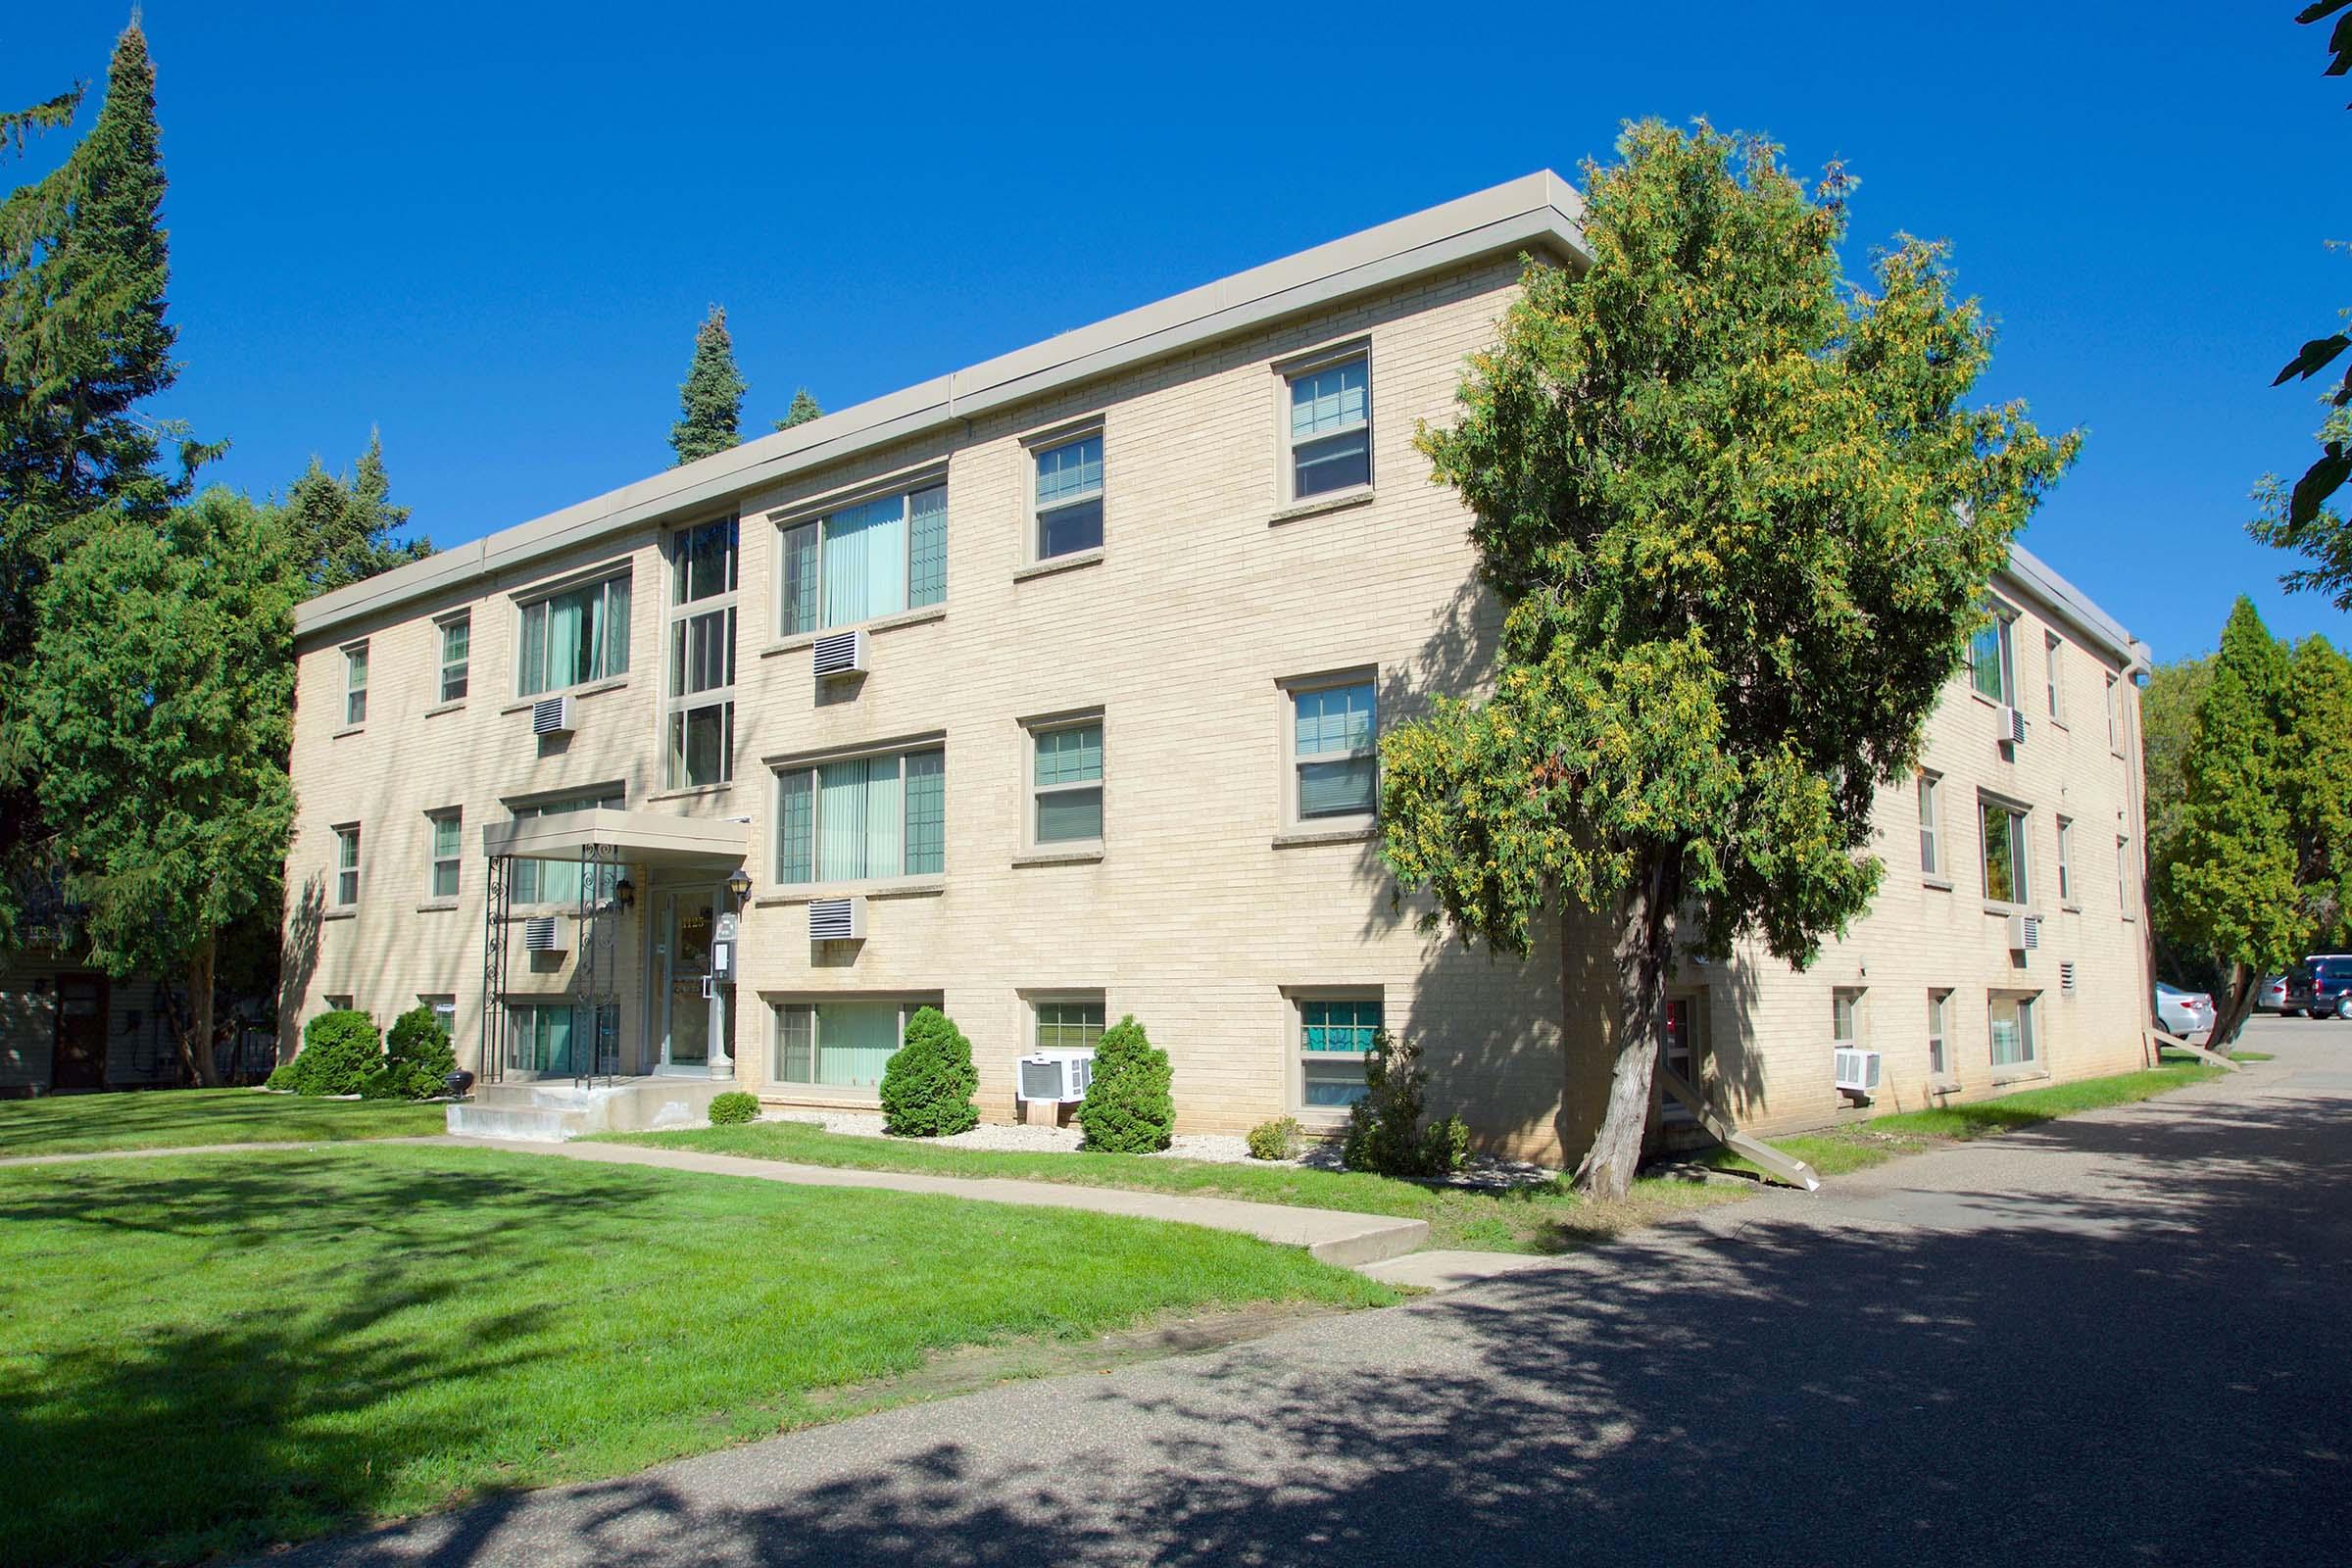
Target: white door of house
698, 1010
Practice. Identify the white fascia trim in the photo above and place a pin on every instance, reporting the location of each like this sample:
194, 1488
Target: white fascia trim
1536, 213
2097, 627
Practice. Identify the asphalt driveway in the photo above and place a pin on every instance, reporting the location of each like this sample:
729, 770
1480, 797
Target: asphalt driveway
2126, 1337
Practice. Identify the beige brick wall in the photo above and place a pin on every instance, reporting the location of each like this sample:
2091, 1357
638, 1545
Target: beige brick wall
1195, 917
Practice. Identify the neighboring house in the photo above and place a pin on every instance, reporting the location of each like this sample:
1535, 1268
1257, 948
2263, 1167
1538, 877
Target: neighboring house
67, 1027
1131, 607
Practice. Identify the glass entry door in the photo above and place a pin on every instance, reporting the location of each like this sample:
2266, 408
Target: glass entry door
698, 1011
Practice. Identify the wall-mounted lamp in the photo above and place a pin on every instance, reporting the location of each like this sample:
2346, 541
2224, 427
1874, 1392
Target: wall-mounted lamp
624, 893
740, 884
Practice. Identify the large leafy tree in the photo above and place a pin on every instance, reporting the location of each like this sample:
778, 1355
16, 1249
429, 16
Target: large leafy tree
710, 398
344, 527
164, 694
1741, 519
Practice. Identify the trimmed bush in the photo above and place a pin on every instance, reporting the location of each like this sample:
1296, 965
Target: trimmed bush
1275, 1140
339, 1050
1128, 1109
288, 1076
928, 1085
416, 1058
733, 1107
1385, 1135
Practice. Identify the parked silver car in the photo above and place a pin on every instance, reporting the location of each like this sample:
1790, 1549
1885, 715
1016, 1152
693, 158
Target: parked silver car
2182, 1012
2272, 998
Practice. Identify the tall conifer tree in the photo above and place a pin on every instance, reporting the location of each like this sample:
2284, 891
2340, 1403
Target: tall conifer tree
710, 398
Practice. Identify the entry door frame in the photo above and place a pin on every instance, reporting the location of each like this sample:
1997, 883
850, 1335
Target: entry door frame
57, 1037
721, 1060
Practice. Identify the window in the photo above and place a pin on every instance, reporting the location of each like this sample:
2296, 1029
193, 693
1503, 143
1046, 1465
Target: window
354, 684
558, 881
1071, 1025
1069, 497
2052, 663
838, 1045
700, 721
2113, 743
1846, 1018
2013, 1043
2066, 860
1067, 784
558, 1038
862, 818
1679, 1055
1335, 770
457, 648
2005, 868
579, 636
347, 866
449, 837
337, 1004
872, 558
1331, 428
1335, 1034
2123, 877
1992, 660
445, 1014
1939, 1027
1930, 826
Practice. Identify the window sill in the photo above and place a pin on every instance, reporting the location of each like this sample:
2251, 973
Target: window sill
349, 729
438, 709
592, 689
1065, 855
436, 905
1941, 884
691, 793
880, 623
2019, 1075
2069, 908
344, 911
2006, 911
904, 888
1943, 1085
1057, 564
1337, 501
2057, 723
1301, 837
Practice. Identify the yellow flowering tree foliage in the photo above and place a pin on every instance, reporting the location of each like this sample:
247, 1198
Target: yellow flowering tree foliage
1741, 519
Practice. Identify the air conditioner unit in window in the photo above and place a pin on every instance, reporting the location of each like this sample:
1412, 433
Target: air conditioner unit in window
836, 920
1055, 1077
551, 715
844, 653
2025, 933
1857, 1071
543, 933
2010, 725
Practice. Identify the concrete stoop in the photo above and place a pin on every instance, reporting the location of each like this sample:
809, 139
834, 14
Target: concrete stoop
557, 1113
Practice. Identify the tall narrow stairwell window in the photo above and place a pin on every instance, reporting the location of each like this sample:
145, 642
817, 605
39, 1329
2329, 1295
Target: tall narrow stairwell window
699, 724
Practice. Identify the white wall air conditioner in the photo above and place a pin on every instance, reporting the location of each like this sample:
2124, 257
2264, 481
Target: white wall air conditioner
1857, 1071
836, 920
843, 653
2009, 726
543, 933
2025, 933
551, 715
1055, 1077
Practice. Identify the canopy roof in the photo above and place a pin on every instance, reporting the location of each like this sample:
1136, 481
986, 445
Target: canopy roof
635, 838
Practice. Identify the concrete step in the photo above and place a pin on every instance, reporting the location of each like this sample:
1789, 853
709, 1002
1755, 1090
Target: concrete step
552, 1113
529, 1124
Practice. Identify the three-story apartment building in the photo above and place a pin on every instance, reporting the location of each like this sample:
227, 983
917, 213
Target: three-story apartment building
1048, 691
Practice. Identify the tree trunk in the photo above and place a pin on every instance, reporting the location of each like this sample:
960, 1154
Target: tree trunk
1645, 934
196, 1041
2234, 1007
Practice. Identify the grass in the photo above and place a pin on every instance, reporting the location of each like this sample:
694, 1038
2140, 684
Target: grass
175, 1118
202, 1354
1543, 1218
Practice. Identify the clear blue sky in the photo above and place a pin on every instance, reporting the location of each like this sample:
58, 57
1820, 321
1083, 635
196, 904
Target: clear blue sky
491, 228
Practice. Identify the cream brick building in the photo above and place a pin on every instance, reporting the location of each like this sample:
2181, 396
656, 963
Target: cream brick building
1133, 602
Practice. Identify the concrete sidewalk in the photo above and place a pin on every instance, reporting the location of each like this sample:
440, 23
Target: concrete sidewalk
1333, 1237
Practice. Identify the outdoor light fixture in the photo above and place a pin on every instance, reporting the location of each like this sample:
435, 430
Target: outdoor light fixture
740, 884
624, 893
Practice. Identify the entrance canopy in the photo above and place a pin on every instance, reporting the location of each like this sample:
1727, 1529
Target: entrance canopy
635, 838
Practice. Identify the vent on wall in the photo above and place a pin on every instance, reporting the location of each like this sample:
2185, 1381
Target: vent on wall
2066, 976
551, 715
836, 920
543, 933
844, 653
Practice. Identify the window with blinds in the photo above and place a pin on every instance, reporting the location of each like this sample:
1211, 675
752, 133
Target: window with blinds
1334, 763
862, 818
861, 562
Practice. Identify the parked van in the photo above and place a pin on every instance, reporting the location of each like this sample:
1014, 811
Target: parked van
2322, 987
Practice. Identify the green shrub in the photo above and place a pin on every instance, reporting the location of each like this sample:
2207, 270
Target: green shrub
416, 1058
1385, 1135
928, 1085
1275, 1140
1128, 1109
288, 1075
732, 1107
339, 1050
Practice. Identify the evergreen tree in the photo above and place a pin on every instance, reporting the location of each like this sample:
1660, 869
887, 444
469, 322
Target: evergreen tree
2316, 785
344, 527
710, 398
1740, 520
804, 409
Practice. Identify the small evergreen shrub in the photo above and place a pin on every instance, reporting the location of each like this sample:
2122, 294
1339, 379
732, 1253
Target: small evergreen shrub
1128, 1109
288, 1075
339, 1050
928, 1085
733, 1109
1275, 1140
418, 1057
1385, 1135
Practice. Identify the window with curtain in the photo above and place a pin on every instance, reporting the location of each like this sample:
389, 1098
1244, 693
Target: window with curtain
1991, 664
1334, 1035
576, 636
2012, 1027
1069, 1023
700, 717
1067, 784
1334, 766
1069, 497
449, 835
2006, 879
862, 818
560, 1036
457, 657
1331, 428
838, 1045
874, 559
558, 881
354, 684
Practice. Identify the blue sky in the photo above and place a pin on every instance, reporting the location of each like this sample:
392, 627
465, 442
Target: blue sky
491, 229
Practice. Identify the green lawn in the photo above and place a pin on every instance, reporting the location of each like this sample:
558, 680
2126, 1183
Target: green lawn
174, 1118
1547, 1218
203, 1353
